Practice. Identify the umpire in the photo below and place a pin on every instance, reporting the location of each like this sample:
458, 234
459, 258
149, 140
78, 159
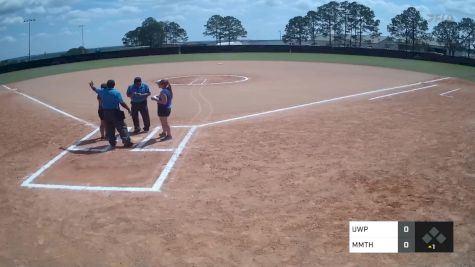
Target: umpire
113, 116
138, 93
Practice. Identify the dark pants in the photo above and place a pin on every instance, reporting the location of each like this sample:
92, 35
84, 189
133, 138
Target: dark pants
113, 123
143, 109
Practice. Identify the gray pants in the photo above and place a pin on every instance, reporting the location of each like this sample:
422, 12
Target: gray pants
112, 124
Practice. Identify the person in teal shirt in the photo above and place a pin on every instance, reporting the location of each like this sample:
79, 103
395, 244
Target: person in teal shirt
113, 116
138, 93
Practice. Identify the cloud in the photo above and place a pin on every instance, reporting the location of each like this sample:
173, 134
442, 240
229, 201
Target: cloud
7, 39
11, 20
78, 16
31, 6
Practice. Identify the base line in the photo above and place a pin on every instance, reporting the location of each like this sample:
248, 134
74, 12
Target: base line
403, 92
51, 107
320, 102
163, 176
446, 93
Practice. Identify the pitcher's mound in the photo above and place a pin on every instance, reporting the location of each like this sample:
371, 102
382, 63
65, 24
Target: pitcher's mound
208, 79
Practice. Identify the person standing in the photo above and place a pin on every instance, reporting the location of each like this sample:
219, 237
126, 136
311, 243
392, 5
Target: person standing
100, 112
138, 93
164, 107
113, 116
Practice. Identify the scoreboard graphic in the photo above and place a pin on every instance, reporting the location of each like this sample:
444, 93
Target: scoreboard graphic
400, 237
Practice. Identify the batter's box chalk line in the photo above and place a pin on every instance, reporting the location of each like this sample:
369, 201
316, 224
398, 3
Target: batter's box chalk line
159, 181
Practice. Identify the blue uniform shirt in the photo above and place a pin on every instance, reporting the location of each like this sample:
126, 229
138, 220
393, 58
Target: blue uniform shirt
169, 97
110, 98
143, 89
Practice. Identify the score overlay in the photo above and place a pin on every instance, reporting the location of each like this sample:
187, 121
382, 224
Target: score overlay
400, 236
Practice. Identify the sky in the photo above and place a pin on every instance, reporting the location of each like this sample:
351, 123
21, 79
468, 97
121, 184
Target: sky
56, 26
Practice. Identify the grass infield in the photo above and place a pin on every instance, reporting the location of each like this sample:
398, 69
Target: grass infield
442, 69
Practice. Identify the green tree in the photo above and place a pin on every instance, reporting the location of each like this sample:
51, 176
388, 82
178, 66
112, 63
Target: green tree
467, 33
174, 33
447, 32
151, 33
364, 21
155, 33
232, 29
214, 27
330, 24
346, 19
410, 26
312, 23
131, 38
296, 29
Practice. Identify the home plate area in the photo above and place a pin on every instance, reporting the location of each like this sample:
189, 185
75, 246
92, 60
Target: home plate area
91, 164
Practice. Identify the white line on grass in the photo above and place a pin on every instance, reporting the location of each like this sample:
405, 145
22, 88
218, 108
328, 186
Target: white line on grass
319, 102
163, 176
403, 92
54, 160
446, 93
51, 107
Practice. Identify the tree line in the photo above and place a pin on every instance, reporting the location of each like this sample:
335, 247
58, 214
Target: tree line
343, 23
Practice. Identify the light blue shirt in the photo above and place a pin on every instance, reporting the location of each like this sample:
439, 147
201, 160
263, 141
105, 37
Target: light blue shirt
110, 98
143, 89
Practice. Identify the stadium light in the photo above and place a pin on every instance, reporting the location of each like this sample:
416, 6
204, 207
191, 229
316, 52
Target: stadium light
82, 34
29, 36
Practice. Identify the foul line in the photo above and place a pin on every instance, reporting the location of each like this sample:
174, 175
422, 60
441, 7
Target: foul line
319, 102
163, 176
51, 107
403, 92
446, 93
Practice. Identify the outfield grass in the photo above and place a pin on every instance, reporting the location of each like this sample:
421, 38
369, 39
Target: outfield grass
442, 69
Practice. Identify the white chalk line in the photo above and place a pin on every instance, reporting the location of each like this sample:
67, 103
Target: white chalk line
50, 163
52, 108
142, 143
91, 188
242, 79
171, 163
319, 102
451, 91
154, 150
403, 92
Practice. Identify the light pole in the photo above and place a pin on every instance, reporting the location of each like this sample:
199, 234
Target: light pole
29, 36
82, 34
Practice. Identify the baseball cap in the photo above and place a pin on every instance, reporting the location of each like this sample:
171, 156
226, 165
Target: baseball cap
158, 81
137, 79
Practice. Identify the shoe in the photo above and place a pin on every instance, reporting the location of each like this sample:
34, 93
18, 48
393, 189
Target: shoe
168, 137
136, 131
112, 146
145, 129
162, 135
129, 144
103, 138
